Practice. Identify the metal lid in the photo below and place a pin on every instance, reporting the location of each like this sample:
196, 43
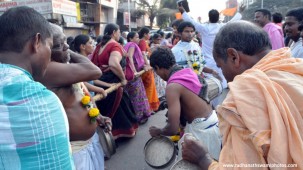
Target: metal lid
159, 152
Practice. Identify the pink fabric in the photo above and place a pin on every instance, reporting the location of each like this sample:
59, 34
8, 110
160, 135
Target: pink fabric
137, 57
275, 34
187, 78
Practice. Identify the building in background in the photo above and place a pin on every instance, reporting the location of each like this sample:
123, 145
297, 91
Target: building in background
81, 17
138, 13
123, 15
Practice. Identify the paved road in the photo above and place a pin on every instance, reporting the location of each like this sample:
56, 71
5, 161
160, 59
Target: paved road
129, 155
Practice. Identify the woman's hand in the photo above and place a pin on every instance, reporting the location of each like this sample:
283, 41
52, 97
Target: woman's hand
147, 67
101, 91
123, 82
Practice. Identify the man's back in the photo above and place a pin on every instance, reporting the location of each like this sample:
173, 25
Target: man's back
34, 125
192, 106
187, 88
208, 35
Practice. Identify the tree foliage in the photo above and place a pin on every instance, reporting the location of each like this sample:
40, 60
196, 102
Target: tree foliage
151, 9
281, 6
165, 17
171, 4
167, 12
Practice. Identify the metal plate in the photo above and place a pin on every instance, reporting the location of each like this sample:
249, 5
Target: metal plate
107, 142
159, 152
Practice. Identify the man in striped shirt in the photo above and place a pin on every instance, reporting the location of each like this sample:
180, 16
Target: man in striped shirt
33, 124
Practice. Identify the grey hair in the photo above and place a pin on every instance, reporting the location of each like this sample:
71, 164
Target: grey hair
243, 36
55, 29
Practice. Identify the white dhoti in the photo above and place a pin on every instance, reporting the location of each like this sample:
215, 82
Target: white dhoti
88, 155
207, 131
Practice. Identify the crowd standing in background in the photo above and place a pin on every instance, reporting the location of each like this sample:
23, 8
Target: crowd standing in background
275, 33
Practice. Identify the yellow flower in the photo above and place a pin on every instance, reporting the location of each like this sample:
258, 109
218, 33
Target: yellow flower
93, 112
196, 71
195, 64
85, 100
175, 138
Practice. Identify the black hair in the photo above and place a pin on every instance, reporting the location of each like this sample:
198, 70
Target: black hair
155, 36
131, 35
300, 28
19, 25
78, 41
168, 35
99, 39
69, 40
108, 32
243, 36
163, 58
121, 41
143, 31
161, 33
185, 24
176, 23
277, 17
265, 12
297, 13
213, 16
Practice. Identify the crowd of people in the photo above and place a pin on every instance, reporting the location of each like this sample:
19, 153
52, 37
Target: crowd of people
49, 118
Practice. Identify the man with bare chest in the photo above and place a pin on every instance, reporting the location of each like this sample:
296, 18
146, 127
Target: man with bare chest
65, 80
186, 98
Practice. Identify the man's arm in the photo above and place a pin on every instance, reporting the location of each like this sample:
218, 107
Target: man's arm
63, 74
198, 26
238, 15
174, 111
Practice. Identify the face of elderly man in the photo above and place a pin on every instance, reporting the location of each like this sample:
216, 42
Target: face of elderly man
60, 47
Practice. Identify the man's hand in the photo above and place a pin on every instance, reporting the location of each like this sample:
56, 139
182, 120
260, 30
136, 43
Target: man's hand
105, 121
181, 9
194, 151
154, 131
216, 75
242, 7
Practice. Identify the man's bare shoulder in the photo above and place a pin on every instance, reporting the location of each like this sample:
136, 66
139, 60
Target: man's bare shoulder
173, 87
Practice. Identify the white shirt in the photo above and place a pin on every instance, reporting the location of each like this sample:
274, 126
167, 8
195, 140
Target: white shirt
297, 49
180, 51
208, 32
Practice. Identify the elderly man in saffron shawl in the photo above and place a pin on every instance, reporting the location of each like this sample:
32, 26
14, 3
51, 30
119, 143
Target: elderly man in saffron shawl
261, 117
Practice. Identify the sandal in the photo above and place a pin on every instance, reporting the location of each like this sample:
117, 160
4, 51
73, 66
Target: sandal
143, 120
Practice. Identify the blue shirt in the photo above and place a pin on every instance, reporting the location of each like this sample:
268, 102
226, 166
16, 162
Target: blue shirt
34, 131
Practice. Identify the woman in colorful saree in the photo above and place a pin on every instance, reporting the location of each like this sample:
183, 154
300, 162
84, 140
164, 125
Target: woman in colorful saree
108, 56
148, 77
